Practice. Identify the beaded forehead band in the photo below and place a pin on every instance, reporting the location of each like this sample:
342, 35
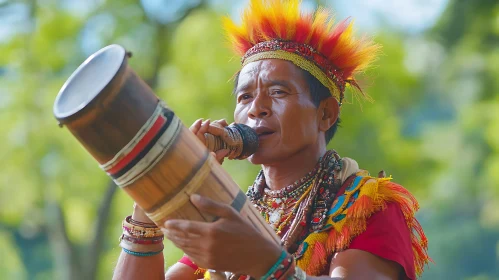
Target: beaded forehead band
314, 42
303, 56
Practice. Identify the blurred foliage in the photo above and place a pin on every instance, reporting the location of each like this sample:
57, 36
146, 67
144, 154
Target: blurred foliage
434, 127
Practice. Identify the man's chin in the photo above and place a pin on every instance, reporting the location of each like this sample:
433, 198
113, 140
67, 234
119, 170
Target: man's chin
261, 157
254, 159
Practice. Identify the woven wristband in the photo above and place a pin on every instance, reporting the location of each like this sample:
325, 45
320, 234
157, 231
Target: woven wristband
143, 241
129, 220
140, 231
293, 272
299, 274
278, 269
139, 254
141, 248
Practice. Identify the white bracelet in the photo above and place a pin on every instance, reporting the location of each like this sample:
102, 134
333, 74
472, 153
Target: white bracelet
300, 274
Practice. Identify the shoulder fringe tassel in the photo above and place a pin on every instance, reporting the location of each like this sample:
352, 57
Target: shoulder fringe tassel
373, 196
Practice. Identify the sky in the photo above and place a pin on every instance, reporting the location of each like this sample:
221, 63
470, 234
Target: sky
409, 16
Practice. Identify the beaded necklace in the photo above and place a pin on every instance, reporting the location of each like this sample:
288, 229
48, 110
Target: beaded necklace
300, 205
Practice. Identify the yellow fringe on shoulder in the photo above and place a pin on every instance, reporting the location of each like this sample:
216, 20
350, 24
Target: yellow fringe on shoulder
366, 196
348, 218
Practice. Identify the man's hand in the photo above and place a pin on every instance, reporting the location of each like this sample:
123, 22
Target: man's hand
200, 127
140, 215
229, 244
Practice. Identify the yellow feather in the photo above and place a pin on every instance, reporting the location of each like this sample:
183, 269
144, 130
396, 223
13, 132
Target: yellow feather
291, 14
283, 16
344, 43
319, 25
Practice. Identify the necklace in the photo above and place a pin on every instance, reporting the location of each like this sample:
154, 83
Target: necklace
278, 212
307, 199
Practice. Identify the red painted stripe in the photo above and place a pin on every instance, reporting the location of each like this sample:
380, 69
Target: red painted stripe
160, 121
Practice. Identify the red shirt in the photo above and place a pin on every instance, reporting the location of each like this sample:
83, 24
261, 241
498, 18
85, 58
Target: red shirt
387, 236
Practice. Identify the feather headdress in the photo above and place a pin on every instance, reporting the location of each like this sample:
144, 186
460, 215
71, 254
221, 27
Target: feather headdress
312, 41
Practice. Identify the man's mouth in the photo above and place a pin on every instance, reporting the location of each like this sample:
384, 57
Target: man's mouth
263, 132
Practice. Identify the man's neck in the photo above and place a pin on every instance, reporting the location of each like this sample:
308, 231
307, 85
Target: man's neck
282, 174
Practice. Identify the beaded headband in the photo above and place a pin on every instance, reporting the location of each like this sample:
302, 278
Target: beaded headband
303, 56
311, 41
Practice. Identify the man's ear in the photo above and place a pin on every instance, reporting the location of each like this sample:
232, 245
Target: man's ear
328, 113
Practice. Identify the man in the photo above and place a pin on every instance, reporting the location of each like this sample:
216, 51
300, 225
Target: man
335, 221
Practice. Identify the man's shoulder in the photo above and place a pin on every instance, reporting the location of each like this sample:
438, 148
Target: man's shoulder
361, 196
362, 192
349, 167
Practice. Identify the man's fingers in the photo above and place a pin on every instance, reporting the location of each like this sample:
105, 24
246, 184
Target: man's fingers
179, 241
183, 244
204, 127
184, 228
221, 154
212, 207
186, 235
223, 122
202, 130
216, 129
196, 125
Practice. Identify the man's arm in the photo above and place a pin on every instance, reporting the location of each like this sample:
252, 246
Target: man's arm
151, 267
132, 267
355, 264
379, 253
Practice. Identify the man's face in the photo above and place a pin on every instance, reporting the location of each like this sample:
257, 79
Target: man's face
274, 99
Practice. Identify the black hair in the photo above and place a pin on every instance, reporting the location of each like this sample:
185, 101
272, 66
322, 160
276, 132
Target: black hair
318, 92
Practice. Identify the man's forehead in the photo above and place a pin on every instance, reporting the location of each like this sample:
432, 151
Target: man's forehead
271, 72
254, 68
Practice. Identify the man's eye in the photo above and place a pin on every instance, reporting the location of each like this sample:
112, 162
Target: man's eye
245, 96
278, 92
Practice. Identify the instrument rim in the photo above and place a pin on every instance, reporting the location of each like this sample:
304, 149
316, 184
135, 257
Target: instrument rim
69, 113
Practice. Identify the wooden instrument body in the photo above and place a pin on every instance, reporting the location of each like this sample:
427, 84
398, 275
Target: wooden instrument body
142, 145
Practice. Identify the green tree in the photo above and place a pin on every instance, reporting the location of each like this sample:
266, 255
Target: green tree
434, 127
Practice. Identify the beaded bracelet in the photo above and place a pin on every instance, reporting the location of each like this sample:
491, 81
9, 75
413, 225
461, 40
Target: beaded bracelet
140, 231
288, 273
133, 223
130, 220
139, 254
140, 237
143, 241
293, 272
299, 274
280, 267
142, 248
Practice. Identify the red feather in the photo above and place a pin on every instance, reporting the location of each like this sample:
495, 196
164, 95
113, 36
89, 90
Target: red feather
303, 29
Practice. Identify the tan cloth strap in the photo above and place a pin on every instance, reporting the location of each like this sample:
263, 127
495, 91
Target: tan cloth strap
350, 167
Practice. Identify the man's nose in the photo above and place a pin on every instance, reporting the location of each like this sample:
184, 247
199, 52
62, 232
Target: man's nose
261, 107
